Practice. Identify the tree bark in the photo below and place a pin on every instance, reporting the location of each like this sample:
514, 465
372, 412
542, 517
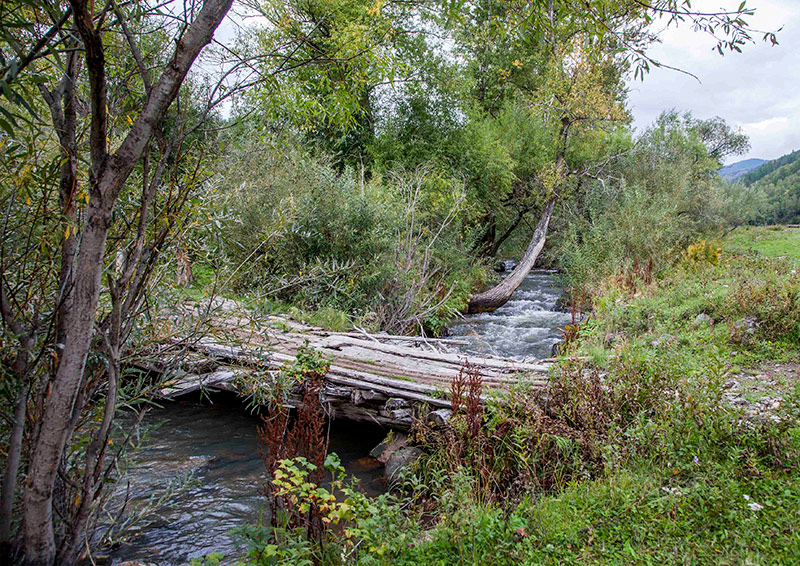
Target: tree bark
109, 174
12, 468
498, 296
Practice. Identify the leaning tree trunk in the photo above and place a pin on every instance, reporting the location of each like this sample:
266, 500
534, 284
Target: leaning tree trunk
498, 296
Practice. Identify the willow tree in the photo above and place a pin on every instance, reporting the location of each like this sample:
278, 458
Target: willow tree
588, 47
66, 58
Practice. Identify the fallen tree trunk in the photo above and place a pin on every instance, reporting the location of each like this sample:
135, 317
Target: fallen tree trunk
498, 296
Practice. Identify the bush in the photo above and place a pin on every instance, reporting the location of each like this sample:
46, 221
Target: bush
388, 252
701, 253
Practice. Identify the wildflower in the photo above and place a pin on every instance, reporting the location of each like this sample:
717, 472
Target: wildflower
753, 505
696, 461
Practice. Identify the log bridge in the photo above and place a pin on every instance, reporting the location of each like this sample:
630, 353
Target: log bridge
378, 378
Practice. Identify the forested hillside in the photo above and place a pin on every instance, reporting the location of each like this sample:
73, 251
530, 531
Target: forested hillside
776, 187
770, 167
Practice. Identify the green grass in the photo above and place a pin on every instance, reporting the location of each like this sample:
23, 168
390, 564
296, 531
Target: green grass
743, 285
403, 378
626, 518
770, 241
679, 475
200, 288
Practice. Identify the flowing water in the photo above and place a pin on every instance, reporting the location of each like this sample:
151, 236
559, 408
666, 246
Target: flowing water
215, 442
527, 326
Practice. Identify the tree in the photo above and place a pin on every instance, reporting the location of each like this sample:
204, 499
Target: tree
102, 190
586, 47
64, 391
576, 94
659, 196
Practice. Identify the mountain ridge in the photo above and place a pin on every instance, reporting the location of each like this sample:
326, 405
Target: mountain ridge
769, 168
741, 168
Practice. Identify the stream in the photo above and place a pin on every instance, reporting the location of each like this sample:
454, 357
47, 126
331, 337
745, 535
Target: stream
527, 326
213, 441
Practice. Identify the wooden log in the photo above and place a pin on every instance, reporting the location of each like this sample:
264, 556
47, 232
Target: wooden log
277, 359
364, 396
369, 379
454, 359
498, 295
389, 391
362, 414
397, 338
439, 417
190, 383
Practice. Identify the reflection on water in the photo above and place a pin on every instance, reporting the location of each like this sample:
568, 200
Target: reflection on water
526, 326
217, 443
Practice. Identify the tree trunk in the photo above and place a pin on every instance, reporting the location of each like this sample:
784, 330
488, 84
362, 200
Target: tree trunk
498, 296
40, 544
109, 173
185, 276
12, 468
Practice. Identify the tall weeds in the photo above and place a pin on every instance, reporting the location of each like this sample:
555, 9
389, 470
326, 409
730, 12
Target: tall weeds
282, 437
531, 442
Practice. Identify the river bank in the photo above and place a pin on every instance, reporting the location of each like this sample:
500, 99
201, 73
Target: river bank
211, 442
637, 455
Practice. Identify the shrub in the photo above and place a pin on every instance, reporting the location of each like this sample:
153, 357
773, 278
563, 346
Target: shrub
390, 249
701, 253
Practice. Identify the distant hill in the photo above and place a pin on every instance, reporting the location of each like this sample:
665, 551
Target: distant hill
789, 164
777, 185
740, 168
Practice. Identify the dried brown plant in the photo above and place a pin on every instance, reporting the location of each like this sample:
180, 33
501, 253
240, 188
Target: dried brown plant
283, 437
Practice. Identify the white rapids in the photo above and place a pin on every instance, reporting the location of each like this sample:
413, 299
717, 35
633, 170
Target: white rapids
527, 326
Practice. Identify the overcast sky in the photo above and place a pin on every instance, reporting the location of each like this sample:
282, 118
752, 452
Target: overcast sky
758, 89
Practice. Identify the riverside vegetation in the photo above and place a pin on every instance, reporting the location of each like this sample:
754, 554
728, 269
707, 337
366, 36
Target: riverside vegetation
637, 455
366, 164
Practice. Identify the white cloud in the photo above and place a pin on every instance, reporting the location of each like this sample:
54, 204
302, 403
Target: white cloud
758, 90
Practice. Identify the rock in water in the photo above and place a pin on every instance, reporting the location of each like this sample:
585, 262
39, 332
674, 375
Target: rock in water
391, 444
400, 460
395, 454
